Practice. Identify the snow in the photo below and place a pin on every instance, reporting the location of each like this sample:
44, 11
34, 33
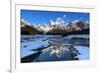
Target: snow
46, 28
31, 45
84, 52
77, 36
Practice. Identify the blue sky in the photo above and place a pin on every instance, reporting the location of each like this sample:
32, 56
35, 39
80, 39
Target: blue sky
41, 17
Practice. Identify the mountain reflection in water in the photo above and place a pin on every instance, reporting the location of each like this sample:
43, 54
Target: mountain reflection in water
43, 48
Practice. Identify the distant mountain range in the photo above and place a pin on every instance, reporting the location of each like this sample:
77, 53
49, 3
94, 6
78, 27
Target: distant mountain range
59, 27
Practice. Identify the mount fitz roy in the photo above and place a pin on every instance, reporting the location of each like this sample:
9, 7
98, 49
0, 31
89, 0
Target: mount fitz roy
58, 27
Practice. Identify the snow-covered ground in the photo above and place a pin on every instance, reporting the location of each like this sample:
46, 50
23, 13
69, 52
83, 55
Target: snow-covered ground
84, 52
77, 36
37, 41
26, 47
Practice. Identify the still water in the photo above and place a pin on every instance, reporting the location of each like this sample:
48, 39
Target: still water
44, 48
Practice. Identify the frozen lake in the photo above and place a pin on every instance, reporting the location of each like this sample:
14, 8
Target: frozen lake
42, 48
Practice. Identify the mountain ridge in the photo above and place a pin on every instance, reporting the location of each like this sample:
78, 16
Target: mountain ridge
55, 28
